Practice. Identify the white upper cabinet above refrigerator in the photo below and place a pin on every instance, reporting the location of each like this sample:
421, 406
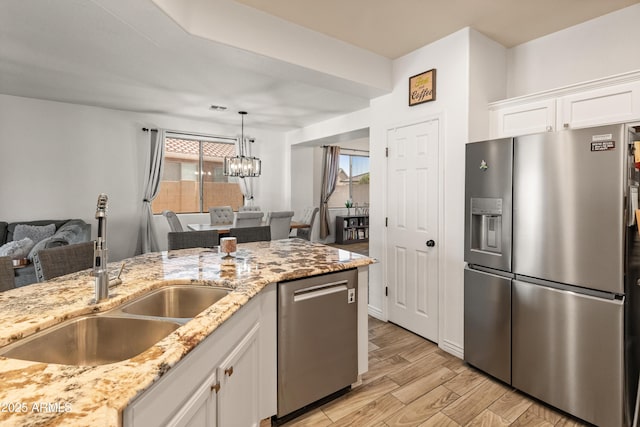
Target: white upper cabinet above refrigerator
599, 102
617, 104
523, 118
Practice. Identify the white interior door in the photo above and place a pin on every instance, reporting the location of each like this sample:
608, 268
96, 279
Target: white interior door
412, 228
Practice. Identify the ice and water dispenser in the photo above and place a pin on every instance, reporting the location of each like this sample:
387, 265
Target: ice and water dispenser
486, 225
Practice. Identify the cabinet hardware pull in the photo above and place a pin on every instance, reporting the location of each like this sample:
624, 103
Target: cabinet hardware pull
229, 371
216, 387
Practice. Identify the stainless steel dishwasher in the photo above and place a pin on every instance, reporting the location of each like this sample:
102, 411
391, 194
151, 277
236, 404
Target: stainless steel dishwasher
317, 338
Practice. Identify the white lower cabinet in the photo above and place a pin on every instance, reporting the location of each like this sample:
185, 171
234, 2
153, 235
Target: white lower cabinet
229, 379
238, 394
229, 397
200, 410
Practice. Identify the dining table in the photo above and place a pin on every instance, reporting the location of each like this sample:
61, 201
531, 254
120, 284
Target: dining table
224, 228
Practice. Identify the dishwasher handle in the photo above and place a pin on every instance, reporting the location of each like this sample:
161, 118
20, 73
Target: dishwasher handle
320, 290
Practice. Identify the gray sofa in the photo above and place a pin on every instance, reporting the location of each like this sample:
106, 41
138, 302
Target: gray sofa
67, 232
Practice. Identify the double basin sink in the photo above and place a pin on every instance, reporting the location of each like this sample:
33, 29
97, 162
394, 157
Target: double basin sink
118, 334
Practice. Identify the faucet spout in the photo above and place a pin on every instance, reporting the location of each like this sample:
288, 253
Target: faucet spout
100, 259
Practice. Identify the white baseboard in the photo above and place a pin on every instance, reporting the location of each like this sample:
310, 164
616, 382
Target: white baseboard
452, 348
375, 312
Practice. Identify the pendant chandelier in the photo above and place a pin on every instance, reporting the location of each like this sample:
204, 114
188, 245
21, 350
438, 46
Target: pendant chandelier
241, 165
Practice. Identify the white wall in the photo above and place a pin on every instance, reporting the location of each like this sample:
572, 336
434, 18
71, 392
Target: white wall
306, 168
334, 131
449, 56
471, 72
598, 48
55, 158
305, 183
350, 130
451, 59
249, 29
273, 187
487, 81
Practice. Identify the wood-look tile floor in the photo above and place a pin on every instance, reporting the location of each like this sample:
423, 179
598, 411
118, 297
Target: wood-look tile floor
411, 382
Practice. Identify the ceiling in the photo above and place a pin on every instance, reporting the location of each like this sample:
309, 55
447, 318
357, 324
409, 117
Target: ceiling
129, 55
395, 28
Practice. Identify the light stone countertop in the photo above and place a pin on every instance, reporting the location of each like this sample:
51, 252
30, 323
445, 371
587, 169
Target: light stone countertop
39, 394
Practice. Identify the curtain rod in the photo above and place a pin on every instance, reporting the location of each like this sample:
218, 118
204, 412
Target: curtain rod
346, 149
197, 135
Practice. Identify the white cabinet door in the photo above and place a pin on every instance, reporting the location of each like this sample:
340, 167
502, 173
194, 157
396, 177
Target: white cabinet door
614, 104
238, 397
229, 396
522, 119
229, 379
200, 409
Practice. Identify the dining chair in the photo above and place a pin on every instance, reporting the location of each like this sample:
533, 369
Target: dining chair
61, 260
247, 219
251, 234
280, 223
173, 220
192, 239
221, 215
249, 209
309, 217
7, 276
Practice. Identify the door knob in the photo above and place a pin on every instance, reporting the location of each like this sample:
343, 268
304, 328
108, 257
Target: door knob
431, 243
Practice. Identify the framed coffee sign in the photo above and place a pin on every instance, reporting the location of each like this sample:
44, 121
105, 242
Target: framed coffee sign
422, 87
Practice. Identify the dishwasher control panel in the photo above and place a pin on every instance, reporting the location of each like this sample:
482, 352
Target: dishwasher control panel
351, 296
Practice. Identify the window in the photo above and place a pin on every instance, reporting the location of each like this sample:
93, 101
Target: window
192, 179
352, 182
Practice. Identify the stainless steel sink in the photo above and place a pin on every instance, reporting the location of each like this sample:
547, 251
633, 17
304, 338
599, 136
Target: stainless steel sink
181, 302
119, 334
91, 340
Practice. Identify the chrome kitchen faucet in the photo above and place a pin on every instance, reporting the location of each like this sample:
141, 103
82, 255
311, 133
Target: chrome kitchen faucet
100, 258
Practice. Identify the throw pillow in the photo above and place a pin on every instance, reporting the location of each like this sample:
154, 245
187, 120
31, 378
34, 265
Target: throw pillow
33, 232
74, 231
17, 249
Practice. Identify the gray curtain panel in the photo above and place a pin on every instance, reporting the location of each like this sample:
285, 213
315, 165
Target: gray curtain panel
246, 183
331, 164
151, 189
246, 186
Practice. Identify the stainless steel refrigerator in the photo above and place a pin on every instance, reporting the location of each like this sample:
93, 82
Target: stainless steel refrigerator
552, 265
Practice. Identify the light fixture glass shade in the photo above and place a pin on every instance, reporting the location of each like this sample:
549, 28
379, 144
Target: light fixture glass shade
241, 165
